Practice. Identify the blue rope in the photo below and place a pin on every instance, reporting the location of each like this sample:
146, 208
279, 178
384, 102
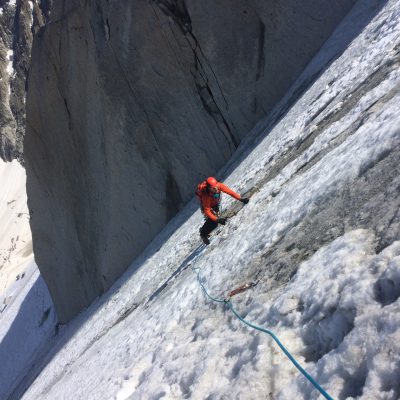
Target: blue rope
196, 270
258, 328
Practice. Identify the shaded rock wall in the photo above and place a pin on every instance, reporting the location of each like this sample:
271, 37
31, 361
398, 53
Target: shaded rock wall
131, 103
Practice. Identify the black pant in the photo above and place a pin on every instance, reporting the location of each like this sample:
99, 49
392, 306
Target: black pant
209, 225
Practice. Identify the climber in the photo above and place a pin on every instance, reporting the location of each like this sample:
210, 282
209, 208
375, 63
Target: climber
209, 195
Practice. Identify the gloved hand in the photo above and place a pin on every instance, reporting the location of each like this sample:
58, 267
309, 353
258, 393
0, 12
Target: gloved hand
244, 200
222, 221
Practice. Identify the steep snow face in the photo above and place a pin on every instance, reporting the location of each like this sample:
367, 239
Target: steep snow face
321, 234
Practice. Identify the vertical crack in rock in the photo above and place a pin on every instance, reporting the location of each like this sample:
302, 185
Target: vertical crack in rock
207, 97
69, 114
261, 54
176, 9
198, 47
102, 22
107, 29
173, 196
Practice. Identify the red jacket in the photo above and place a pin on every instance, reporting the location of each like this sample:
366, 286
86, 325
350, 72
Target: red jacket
208, 201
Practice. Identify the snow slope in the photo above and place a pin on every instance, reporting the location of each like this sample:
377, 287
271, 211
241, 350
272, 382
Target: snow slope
321, 234
27, 316
15, 236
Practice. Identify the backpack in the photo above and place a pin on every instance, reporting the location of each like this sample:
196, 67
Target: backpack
201, 188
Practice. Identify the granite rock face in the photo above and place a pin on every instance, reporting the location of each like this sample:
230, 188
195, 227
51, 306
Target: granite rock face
131, 103
18, 22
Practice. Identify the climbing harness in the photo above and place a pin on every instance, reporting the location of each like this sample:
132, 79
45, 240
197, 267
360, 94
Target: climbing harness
228, 303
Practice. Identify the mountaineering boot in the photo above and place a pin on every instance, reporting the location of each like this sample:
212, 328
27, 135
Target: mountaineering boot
205, 239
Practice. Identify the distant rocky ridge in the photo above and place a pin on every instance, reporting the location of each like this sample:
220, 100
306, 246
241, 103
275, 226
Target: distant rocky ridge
130, 103
18, 22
